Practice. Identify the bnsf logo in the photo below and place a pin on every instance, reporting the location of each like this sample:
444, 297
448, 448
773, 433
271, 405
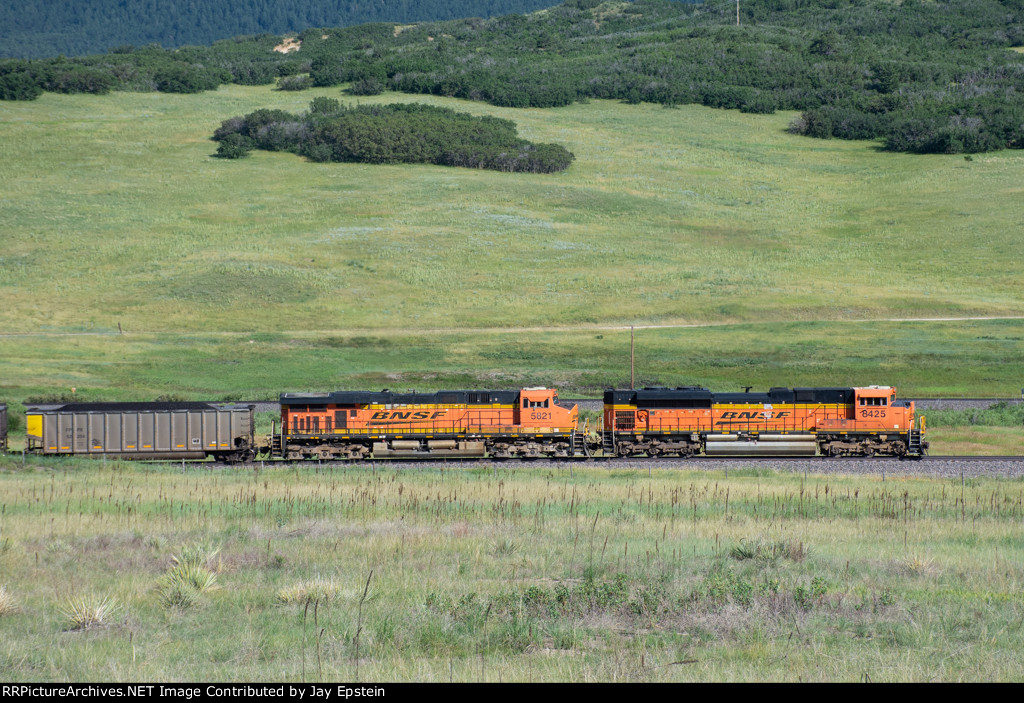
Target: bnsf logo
754, 415
407, 415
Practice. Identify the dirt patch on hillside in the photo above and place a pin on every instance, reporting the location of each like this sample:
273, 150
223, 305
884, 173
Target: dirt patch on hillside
288, 45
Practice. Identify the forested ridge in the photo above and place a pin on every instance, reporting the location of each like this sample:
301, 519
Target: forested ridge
923, 76
32, 29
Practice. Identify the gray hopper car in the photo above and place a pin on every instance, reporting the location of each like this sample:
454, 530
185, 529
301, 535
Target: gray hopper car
143, 431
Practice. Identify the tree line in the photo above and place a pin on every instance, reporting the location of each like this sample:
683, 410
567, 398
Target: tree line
920, 75
35, 29
390, 134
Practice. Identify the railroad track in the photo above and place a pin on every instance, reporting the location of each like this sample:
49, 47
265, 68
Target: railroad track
952, 466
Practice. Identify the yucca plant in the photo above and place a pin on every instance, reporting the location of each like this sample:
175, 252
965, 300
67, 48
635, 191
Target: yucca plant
198, 577
198, 555
84, 612
8, 605
190, 576
181, 586
178, 594
317, 590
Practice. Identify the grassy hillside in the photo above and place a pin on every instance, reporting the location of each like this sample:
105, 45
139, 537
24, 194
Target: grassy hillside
115, 213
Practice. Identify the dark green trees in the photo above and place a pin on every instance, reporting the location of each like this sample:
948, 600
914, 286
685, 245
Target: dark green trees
388, 134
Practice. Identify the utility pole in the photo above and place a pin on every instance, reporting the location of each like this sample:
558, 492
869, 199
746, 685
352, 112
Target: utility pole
737, 13
632, 381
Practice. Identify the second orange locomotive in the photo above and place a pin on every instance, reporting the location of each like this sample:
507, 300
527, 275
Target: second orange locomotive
355, 424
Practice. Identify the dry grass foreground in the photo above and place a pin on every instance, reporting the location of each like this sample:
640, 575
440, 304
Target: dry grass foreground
488, 574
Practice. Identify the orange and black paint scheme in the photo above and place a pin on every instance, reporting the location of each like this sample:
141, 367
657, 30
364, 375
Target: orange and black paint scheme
357, 424
782, 422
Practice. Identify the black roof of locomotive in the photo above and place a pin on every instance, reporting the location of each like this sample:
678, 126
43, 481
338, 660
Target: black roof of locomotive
696, 396
391, 398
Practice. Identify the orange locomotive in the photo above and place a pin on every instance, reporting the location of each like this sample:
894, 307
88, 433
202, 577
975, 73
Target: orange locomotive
354, 424
782, 422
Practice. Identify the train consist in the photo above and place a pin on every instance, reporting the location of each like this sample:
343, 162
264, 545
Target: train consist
500, 424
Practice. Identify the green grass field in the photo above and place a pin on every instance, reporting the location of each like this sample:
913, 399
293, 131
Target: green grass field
114, 213
487, 574
978, 441
947, 359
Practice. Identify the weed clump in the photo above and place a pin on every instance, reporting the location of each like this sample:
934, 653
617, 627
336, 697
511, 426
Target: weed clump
189, 577
317, 590
768, 552
8, 605
83, 613
918, 566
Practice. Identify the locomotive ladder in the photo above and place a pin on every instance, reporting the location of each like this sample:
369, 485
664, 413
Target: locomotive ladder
275, 445
608, 442
579, 445
914, 443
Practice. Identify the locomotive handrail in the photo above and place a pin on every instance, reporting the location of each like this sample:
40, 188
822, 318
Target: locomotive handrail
466, 422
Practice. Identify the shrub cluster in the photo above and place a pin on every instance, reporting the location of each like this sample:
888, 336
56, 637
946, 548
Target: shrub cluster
1000, 414
390, 134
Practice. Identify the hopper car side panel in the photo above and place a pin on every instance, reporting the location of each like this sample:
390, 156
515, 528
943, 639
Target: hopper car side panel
143, 431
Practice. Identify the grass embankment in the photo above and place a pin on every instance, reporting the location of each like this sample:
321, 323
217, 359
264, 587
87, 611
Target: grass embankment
995, 431
941, 359
975, 441
489, 574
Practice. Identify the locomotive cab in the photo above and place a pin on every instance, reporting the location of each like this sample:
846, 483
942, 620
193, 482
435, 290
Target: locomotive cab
538, 407
876, 424
876, 407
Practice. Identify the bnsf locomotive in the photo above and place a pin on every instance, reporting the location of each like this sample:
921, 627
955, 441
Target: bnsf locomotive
527, 423
500, 424
781, 422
